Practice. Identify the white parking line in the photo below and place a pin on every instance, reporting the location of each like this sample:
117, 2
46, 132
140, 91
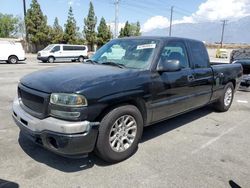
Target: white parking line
213, 140
242, 101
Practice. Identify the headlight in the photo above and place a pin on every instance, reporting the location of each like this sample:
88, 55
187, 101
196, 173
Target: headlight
70, 100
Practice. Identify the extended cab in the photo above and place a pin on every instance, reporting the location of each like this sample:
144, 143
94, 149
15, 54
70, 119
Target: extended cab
104, 103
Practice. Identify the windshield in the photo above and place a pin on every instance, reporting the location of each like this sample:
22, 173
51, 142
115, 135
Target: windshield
130, 53
49, 47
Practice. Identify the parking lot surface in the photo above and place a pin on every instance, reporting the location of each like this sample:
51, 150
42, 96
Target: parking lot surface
202, 148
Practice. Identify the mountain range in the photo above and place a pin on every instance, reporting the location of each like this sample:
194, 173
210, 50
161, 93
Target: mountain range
235, 31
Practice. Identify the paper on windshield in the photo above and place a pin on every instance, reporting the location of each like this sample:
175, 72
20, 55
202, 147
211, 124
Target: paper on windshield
146, 46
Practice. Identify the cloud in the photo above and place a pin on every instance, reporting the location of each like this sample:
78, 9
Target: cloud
211, 10
156, 22
74, 2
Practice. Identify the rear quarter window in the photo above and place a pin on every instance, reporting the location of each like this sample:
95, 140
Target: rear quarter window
199, 54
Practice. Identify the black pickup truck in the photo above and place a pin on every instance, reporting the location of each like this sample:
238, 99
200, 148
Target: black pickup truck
103, 104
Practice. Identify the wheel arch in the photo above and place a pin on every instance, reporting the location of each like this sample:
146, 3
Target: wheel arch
137, 102
51, 56
233, 81
13, 56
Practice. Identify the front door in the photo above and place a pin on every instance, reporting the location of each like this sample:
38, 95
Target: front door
173, 91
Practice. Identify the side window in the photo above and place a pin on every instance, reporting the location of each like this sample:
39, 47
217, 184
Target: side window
175, 51
56, 49
80, 48
199, 55
68, 48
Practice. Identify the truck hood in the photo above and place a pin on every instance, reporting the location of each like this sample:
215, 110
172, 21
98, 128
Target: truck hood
71, 79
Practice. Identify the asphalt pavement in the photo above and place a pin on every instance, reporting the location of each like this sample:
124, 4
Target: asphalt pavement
202, 148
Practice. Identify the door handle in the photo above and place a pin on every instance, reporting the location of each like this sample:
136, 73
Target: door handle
190, 78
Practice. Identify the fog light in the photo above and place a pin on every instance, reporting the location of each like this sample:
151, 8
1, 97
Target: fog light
65, 115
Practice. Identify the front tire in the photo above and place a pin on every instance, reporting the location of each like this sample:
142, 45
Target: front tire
119, 134
51, 59
225, 101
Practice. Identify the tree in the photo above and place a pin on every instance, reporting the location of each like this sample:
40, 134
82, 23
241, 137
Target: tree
36, 23
9, 25
70, 33
138, 29
132, 29
56, 32
89, 28
121, 34
104, 34
127, 30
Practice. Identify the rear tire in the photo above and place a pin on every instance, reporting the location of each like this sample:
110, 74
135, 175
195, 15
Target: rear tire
81, 59
119, 134
225, 101
13, 59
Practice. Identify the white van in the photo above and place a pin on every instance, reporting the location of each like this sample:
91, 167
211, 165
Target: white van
63, 52
11, 52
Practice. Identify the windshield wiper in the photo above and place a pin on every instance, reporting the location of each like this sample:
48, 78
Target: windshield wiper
114, 64
91, 61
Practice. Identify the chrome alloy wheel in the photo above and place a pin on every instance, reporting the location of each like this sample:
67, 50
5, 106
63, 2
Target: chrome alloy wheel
123, 133
228, 96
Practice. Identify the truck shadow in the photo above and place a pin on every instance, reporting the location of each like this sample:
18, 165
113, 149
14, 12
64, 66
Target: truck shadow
158, 129
69, 165
8, 184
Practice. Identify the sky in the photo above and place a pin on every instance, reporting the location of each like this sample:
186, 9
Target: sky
152, 14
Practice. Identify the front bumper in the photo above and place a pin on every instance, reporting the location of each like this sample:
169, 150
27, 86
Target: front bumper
41, 58
71, 139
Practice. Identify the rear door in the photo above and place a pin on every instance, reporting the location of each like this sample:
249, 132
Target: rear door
173, 91
202, 71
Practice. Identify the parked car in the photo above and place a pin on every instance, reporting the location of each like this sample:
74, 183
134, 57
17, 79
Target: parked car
63, 52
104, 103
245, 82
221, 53
240, 54
11, 52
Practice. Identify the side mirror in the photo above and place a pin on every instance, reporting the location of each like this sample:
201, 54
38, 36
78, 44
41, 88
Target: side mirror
52, 51
169, 66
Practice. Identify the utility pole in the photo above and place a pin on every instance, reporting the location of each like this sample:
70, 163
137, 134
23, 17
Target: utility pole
224, 22
24, 8
24, 13
171, 20
116, 17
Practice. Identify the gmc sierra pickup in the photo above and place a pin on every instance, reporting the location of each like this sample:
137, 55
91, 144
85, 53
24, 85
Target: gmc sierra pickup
103, 104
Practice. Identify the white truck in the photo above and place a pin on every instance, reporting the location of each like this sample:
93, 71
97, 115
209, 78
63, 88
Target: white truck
11, 52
